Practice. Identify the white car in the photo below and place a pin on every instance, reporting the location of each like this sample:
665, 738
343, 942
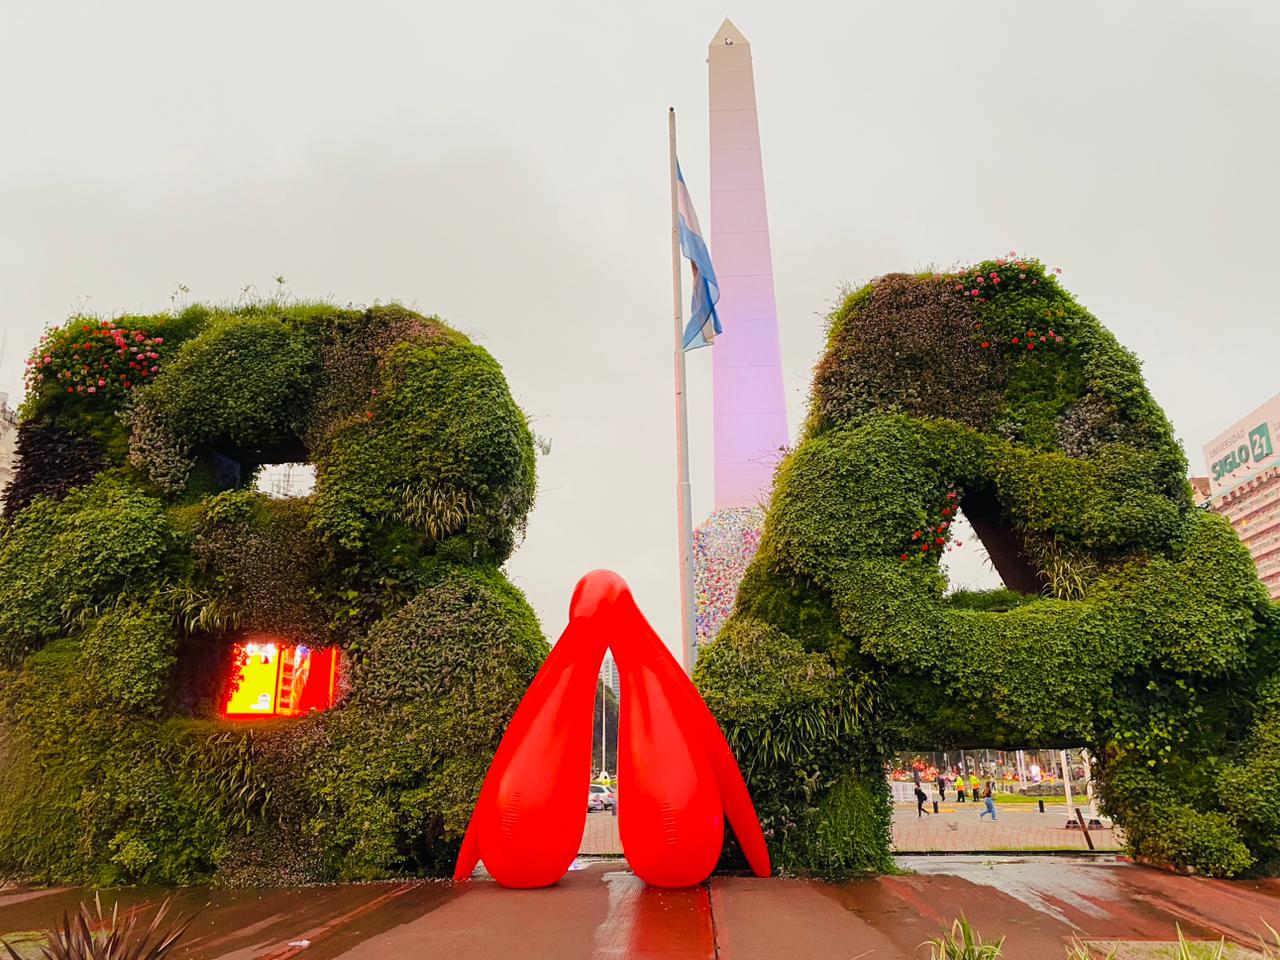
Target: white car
603, 794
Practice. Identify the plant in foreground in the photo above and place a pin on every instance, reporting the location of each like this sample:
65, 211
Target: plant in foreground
1079, 950
962, 942
90, 937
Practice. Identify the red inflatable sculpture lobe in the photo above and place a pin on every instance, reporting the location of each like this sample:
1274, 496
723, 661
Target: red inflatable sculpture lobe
528, 822
677, 777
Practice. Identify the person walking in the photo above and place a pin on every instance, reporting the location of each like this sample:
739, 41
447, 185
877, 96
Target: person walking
921, 797
988, 802
942, 786
960, 787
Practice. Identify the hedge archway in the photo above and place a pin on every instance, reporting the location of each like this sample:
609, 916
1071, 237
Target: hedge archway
1142, 630
132, 561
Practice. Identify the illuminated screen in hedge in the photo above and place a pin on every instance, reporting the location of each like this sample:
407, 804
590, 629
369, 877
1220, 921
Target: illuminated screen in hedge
280, 680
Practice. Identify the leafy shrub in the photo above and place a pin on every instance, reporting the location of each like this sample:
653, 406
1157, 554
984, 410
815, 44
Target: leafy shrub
440, 447
262, 560
94, 357
471, 635
1138, 630
128, 654
134, 559
428, 706
1184, 838
60, 561
50, 461
237, 383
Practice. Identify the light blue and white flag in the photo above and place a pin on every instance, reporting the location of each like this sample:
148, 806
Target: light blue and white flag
704, 322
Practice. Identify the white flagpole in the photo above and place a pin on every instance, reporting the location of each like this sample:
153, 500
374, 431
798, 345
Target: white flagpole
684, 507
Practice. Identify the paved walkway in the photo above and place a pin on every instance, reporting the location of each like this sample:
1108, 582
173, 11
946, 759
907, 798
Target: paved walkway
954, 829
603, 911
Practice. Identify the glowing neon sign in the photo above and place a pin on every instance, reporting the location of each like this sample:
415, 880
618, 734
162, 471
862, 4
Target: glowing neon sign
280, 680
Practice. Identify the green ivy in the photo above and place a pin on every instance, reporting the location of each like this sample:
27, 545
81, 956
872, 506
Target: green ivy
135, 556
991, 390
61, 562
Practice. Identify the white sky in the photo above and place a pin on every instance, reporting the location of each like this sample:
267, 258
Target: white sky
505, 167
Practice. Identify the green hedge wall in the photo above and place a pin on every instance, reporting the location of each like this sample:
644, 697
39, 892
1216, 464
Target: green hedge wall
1141, 629
138, 553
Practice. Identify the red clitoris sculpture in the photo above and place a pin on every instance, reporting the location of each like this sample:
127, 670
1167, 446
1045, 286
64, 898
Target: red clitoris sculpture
677, 777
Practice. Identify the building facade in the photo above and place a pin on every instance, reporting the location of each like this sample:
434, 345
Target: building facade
609, 674
1244, 486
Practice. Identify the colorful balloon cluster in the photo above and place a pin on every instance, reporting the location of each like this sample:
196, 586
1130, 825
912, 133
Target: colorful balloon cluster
723, 548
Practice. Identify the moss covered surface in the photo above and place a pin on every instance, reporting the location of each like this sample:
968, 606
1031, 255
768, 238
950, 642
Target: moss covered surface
137, 553
1139, 627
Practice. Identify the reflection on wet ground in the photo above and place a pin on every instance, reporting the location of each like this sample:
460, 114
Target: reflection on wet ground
1039, 903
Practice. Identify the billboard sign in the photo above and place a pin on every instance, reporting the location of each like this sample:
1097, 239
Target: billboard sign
1249, 446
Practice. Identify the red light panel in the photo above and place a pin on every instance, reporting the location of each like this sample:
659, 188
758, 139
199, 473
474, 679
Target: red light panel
281, 680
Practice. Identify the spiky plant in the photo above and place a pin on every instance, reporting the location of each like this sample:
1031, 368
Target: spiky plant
1079, 950
94, 936
962, 942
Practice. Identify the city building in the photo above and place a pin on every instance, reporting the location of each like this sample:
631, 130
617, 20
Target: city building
8, 443
609, 674
1244, 486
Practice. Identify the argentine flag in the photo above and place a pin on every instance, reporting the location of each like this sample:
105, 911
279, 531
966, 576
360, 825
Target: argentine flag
704, 322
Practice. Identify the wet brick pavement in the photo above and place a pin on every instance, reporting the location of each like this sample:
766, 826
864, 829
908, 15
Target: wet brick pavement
602, 911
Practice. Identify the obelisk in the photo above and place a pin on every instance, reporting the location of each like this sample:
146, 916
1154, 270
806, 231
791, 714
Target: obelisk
750, 408
749, 405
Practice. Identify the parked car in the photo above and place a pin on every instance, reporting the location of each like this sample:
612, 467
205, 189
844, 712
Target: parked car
604, 793
594, 801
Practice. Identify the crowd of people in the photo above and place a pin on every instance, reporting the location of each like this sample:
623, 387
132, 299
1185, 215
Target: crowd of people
977, 781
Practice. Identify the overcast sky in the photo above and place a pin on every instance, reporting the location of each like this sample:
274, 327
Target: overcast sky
505, 166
